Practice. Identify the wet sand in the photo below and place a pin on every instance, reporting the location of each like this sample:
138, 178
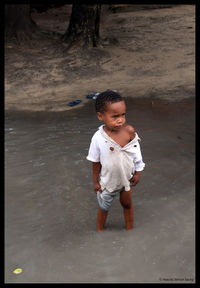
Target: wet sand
50, 206
143, 53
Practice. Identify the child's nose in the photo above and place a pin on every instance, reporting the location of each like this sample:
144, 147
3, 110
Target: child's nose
120, 120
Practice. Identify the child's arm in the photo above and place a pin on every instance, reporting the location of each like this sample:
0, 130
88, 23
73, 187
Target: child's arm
136, 178
96, 172
139, 165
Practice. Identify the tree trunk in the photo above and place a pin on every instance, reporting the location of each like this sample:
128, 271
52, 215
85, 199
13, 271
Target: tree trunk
84, 25
18, 22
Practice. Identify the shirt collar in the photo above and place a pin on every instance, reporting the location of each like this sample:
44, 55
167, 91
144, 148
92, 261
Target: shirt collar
105, 135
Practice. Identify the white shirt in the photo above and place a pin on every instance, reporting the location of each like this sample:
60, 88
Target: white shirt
118, 163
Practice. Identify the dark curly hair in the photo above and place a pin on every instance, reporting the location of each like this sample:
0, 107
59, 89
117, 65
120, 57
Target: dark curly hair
106, 97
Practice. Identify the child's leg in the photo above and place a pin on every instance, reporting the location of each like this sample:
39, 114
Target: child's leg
105, 199
127, 204
101, 219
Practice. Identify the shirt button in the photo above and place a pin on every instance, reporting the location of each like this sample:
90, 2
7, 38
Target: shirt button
135, 145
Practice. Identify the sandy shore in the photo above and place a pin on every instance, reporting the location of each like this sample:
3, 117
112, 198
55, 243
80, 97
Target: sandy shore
143, 53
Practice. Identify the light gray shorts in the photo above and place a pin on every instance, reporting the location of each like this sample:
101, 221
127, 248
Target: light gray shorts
105, 198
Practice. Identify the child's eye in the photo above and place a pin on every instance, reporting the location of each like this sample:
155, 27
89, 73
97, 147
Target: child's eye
116, 116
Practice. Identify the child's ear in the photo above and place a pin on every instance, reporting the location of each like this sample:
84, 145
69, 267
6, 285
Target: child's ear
99, 115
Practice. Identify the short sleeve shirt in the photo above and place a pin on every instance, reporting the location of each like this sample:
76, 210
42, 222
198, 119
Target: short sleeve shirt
118, 163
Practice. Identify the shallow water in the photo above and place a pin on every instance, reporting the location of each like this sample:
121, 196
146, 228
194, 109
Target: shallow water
50, 206
45, 161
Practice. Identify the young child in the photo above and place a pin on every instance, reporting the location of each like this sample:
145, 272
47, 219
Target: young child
116, 156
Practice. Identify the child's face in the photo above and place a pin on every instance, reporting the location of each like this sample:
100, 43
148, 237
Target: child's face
114, 116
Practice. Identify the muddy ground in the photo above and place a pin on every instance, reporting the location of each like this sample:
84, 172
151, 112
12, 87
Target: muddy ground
143, 53
51, 208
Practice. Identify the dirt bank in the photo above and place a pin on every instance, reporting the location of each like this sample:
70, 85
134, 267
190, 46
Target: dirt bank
143, 53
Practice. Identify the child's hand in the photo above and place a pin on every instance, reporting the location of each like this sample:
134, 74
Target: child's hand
136, 178
97, 187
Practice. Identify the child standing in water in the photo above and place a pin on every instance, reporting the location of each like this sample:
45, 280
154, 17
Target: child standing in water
116, 157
